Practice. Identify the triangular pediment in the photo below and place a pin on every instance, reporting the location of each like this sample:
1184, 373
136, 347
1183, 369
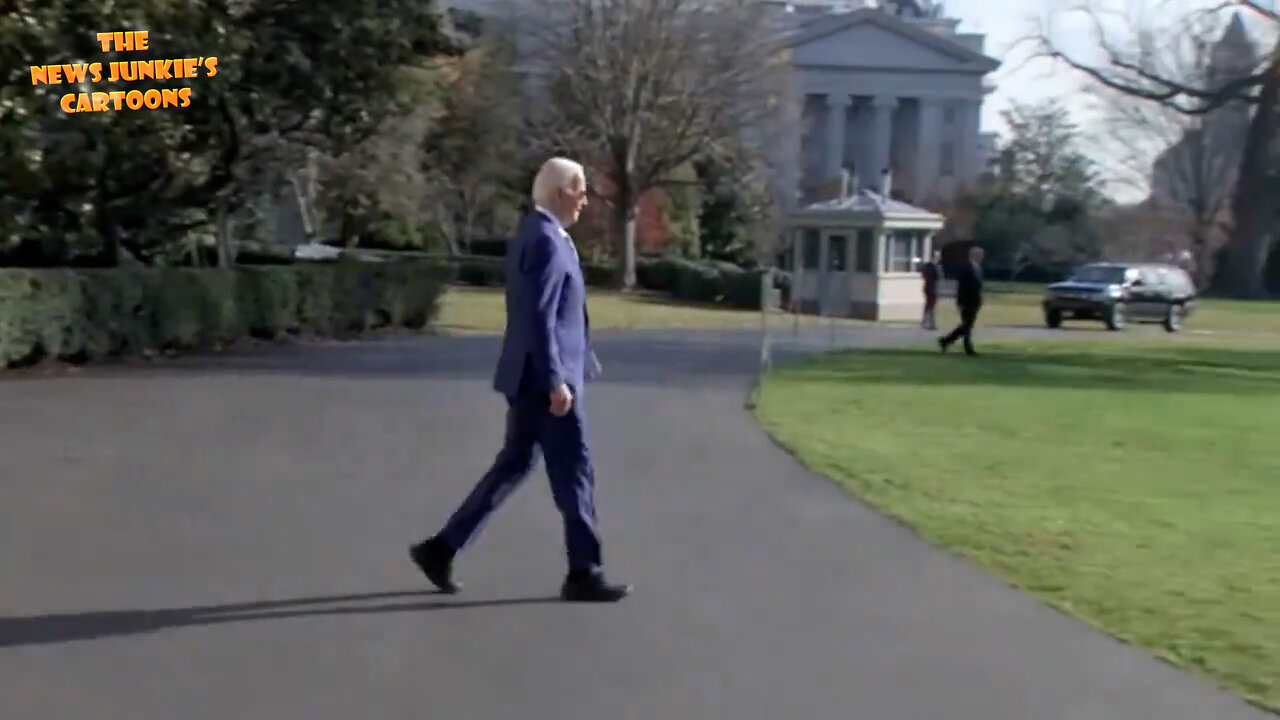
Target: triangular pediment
871, 39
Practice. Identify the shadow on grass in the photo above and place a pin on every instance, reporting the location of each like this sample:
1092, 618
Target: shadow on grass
1183, 370
68, 627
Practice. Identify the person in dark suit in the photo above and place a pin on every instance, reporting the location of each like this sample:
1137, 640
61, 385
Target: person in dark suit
931, 274
544, 360
968, 301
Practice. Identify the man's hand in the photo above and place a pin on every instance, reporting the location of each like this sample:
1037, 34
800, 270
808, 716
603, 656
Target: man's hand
561, 400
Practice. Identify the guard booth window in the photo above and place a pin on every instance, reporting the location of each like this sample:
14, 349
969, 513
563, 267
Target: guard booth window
812, 249
864, 253
836, 251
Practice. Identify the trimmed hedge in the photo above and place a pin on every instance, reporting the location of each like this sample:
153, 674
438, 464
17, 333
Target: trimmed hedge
79, 315
483, 271
709, 281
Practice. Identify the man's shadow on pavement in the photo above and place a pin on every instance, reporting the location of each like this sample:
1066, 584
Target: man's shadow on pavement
68, 627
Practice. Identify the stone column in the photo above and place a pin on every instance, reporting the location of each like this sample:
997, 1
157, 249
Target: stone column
792, 157
968, 122
928, 147
881, 137
833, 150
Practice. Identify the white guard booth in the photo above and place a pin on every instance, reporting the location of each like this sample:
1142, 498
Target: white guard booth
858, 255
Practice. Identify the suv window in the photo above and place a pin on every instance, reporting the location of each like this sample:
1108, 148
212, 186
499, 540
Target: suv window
1098, 274
1180, 282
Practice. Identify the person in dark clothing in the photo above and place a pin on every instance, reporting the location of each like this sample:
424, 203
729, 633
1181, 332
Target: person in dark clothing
931, 273
968, 301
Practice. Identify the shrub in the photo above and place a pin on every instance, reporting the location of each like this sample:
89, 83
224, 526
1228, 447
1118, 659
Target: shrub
742, 288
481, 271
84, 314
660, 274
491, 272
489, 247
701, 281
599, 275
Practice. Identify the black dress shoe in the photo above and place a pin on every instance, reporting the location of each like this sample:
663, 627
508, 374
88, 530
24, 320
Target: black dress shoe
435, 560
942, 344
592, 588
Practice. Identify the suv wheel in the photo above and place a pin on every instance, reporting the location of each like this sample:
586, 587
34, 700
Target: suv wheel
1053, 318
1173, 318
1115, 317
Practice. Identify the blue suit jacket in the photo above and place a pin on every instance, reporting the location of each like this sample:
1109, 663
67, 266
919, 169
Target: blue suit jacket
545, 341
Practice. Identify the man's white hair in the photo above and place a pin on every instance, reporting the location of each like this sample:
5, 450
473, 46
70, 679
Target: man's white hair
558, 173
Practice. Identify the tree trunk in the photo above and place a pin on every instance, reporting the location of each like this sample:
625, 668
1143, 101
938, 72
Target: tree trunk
624, 224
625, 209
1252, 207
350, 239
226, 254
1200, 256
468, 226
302, 201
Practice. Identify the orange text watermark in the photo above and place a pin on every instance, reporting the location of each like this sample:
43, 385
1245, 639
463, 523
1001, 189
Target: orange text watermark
130, 71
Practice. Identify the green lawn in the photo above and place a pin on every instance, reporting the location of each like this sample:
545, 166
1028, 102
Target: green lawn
480, 310
1135, 484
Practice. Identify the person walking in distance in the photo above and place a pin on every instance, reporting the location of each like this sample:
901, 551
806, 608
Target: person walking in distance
544, 360
931, 273
968, 301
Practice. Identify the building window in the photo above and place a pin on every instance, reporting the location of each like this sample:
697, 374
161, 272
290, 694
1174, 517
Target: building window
811, 249
898, 252
864, 253
947, 159
837, 246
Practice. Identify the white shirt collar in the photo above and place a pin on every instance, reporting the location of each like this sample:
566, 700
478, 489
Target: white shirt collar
553, 217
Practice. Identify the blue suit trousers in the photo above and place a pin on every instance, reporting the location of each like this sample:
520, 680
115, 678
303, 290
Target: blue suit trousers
563, 442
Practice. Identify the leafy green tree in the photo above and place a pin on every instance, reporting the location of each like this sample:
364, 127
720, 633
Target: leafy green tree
1036, 209
683, 212
474, 153
291, 76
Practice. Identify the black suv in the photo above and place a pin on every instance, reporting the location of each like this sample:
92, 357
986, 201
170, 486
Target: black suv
1121, 293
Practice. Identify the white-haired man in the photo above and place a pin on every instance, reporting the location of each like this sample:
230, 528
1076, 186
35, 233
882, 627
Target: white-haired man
541, 370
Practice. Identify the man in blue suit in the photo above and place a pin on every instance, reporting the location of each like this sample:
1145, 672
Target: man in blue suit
544, 361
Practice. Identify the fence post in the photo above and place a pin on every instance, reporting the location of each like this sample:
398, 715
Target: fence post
766, 309
797, 282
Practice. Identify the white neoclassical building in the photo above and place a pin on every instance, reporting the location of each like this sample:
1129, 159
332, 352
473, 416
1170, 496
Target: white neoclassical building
876, 86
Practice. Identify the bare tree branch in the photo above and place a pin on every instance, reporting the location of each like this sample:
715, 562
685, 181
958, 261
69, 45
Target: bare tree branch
1136, 66
1186, 165
641, 88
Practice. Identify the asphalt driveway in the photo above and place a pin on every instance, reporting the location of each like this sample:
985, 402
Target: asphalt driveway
225, 539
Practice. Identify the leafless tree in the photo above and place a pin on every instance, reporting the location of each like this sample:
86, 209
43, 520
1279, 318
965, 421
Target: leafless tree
1186, 164
1140, 231
1139, 66
639, 88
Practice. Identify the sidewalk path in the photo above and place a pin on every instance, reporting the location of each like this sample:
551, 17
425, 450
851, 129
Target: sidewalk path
224, 539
